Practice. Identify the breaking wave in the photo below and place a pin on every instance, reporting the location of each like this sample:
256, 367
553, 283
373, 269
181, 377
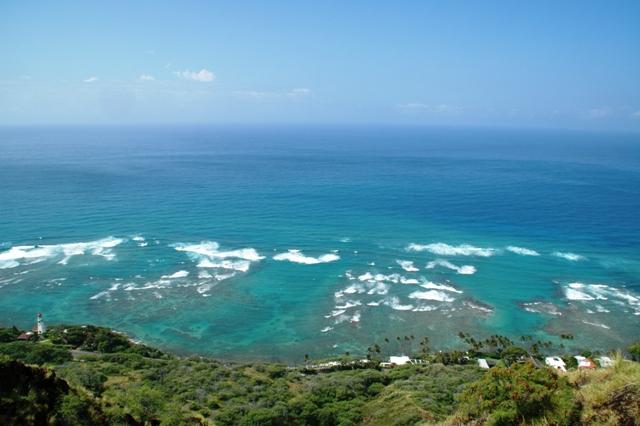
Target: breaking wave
443, 249
463, 270
296, 256
522, 251
407, 265
20, 255
568, 256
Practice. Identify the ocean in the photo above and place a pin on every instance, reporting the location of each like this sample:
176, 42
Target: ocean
272, 242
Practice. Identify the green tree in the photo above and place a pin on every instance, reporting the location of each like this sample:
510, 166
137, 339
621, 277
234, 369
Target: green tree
634, 350
506, 396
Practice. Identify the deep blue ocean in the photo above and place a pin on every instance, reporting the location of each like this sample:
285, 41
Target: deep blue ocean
275, 242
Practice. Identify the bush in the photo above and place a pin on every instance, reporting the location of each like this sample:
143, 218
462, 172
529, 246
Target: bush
634, 350
8, 334
35, 353
519, 392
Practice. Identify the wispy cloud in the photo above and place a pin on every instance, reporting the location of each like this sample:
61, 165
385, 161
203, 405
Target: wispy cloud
91, 79
636, 115
203, 76
598, 113
146, 77
428, 108
293, 94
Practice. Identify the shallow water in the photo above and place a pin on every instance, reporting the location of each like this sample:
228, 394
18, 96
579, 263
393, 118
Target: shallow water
275, 242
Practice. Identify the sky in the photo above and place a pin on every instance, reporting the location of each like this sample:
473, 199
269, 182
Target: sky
543, 64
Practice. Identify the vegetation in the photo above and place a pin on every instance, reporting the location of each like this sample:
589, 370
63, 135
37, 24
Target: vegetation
91, 375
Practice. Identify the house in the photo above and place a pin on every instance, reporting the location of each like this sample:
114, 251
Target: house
25, 335
399, 360
605, 361
585, 362
555, 362
482, 363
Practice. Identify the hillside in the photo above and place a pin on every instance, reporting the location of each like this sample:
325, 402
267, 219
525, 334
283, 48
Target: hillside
91, 375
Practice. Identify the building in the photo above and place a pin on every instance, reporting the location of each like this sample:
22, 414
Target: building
555, 362
399, 360
482, 363
605, 361
41, 328
585, 362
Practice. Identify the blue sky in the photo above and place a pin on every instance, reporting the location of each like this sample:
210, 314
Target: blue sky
540, 64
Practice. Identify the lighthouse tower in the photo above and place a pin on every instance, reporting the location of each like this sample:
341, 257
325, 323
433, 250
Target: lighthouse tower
41, 328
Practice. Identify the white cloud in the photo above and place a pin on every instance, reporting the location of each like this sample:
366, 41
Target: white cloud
294, 94
434, 109
91, 79
636, 115
146, 77
597, 113
203, 76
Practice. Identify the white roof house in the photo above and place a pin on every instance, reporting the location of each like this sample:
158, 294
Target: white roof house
482, 363
605, 361
555, 362
584, 362
399, 360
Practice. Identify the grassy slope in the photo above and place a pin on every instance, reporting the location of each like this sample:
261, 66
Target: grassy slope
133, 384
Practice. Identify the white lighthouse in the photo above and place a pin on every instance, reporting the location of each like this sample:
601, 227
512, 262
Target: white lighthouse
41, 328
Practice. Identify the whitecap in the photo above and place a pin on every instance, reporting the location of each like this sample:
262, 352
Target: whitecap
394, 303
297, 256
326, 329
34, 254
424, 308
568, 256
597, 324
179, 274
355, 317
434, 286
407, 265
443, 249
349, 304
523, 251
335, 313
431, 295
463, 270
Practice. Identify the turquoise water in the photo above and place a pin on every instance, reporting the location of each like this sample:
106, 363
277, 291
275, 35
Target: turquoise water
183, 236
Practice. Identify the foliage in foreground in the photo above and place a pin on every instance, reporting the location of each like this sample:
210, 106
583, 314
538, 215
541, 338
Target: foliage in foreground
111, 380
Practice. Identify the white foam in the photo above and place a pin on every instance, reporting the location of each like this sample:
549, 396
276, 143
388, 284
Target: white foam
463, 270
326, 329
407, 265
597, 324
587, 292
349, 304
568, 256
179, 274
355, 317
431, 295
394, 303
236, 265
335, 313
297, 256
204, 275
424, 308
7, 264
443, 249
434, 286
380, 278
522, 251
34, 254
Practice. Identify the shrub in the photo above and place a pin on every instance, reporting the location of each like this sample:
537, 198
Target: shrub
519, 392
35, 353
